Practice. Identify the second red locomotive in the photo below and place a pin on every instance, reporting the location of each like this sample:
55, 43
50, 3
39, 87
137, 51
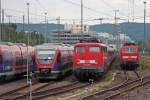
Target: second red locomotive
129, 56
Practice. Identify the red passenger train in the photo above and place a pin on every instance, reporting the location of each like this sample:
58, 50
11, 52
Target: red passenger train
91, 60
53, 60
129, 56
13, 59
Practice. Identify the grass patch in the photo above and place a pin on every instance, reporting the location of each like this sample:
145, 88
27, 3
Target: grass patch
145, 64
107, 80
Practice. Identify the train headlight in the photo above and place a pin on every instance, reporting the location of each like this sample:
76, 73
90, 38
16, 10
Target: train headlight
93, 62
81, 61
133, 56
125, 57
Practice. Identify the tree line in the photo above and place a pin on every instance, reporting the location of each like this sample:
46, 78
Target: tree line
9, 33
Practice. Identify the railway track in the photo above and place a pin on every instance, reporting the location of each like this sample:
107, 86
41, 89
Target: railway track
117, 90
36, 95
23, 91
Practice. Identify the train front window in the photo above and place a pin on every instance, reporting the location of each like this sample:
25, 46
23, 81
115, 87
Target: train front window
45, 56
129, 50
80, 49
133, 50
94, 49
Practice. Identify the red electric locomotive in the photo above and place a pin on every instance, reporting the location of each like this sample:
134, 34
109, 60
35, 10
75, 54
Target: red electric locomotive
53, 60
91, 60
129, 56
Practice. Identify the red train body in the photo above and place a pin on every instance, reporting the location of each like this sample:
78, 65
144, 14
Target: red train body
129, 56
53, 60
13, 59
91, 60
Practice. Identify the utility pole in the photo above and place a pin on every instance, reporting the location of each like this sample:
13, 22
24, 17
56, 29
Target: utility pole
29, 75
116, 19
9, 28
0, 21
27, 43
45, 26
128, 11
3, 15
101, 19
81, 16
117, 34
133, 3
58, 20
9, 19
144, 24
3, 26
23, 23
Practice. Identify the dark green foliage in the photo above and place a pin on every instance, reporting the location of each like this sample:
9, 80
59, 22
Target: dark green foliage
10, 34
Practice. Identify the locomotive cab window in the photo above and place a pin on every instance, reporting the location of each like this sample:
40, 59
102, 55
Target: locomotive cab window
80, 49
45, 56
130, 50
133, 50
94, 49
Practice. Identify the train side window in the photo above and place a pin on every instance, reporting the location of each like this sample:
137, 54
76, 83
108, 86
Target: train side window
94, 49
80, 49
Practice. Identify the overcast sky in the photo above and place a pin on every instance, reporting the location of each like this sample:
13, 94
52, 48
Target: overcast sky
70, 9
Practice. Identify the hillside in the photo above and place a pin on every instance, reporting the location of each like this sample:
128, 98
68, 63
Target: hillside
134, 30
39, 27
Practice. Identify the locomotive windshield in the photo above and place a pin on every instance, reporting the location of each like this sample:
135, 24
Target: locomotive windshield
94, 49
45, 56
80, 49
130, 50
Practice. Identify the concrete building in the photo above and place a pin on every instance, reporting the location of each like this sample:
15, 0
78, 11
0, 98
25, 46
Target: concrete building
76, 28
67, 37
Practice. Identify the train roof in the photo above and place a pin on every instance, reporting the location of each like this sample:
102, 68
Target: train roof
20, 44
128, 44
53, 46
90, 40
82, 44
6, 43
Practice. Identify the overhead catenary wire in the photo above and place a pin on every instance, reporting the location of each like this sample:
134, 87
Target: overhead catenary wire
41, 5
88, 8
111, 7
